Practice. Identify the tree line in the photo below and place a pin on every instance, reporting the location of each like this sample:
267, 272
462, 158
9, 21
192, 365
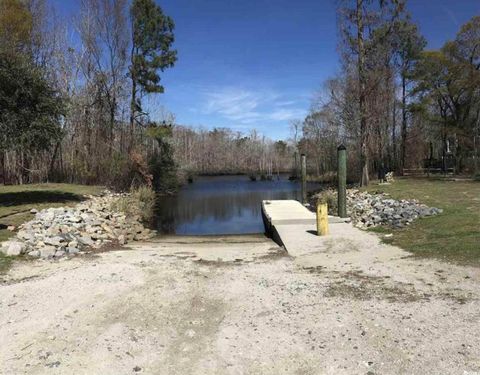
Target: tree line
72, 100
72, 93
222, 150
395, 105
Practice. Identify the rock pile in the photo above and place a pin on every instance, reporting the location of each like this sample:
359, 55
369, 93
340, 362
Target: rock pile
57, 232
370, 210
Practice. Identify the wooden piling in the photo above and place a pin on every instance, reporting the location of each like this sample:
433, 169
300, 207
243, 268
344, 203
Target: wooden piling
295, 165
342, 180
304, 179
322, 219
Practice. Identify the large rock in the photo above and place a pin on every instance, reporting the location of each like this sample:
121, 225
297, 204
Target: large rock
122, 240
54, 241
73, 244
47, 251
86, 240
13, 248
74, 219
72, 250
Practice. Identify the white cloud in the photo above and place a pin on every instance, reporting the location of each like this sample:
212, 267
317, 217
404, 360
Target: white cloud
286, 102
249, 107
284, 114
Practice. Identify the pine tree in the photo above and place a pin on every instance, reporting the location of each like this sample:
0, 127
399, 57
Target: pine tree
152, 39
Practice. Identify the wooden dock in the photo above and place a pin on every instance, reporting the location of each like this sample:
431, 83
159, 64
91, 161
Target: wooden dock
292, 225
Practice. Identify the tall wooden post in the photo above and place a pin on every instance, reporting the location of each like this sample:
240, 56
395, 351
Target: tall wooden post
295, 165
304, 179
342, 180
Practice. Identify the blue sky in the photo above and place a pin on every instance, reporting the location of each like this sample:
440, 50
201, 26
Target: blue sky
249, 64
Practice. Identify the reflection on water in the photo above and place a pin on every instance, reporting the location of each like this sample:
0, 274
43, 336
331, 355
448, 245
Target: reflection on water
221, 205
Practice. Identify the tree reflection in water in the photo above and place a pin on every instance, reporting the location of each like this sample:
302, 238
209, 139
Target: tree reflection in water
221, 205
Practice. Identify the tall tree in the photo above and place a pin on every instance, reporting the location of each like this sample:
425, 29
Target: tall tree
358, 24
111, 57
408, 45
359, 19
152, 40
449, 81
468, 46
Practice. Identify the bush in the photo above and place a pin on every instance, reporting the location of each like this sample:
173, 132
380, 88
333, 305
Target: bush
140, 202
145, 201
161, 164
121, 171
328, 196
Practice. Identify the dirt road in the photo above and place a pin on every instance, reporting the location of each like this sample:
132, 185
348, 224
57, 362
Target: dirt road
240, 305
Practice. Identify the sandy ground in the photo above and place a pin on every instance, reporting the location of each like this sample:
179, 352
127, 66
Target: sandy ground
241, 305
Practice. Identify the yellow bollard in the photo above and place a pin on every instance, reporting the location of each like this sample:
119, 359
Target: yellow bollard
322, 219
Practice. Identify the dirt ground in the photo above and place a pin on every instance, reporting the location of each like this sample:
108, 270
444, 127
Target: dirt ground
241, 305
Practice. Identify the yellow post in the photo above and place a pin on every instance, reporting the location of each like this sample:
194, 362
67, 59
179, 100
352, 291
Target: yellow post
322, 219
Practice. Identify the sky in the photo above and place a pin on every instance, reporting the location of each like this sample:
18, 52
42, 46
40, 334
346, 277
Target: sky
246, 64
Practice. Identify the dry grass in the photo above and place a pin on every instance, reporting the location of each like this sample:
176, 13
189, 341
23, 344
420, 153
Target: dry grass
140, 202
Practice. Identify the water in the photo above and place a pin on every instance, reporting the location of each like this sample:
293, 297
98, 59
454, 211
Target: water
221, 205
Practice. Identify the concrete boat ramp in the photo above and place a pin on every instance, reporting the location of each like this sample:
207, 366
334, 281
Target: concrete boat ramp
293, 226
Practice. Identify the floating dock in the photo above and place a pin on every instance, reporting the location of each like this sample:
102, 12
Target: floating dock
293, 226
286, 212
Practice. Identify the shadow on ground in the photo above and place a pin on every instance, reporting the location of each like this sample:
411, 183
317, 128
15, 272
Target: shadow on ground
36, 197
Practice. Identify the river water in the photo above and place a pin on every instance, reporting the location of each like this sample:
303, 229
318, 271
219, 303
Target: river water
221, 205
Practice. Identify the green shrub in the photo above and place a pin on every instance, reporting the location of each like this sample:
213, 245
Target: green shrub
161, 164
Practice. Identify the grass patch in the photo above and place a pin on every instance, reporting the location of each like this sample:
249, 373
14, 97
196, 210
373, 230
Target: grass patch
383, 231
5, 263
16, 201
453, 235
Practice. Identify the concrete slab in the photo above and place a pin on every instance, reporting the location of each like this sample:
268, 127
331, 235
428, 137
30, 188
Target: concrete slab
293, 226
301, 239
287, 212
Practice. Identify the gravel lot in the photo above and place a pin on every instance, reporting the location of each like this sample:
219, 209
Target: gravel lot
241, 305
